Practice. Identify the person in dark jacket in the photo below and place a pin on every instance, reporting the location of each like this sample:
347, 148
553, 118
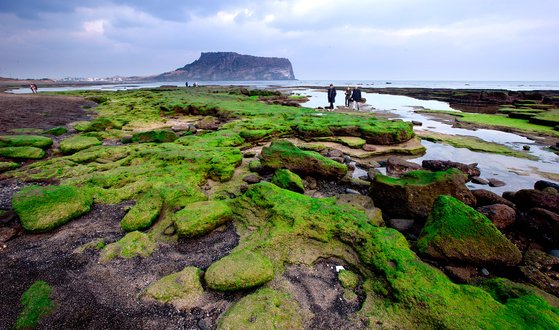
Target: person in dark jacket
331, 96
348, 97
356, 96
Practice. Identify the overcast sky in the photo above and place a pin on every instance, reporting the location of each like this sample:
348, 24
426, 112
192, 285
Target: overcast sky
324, 39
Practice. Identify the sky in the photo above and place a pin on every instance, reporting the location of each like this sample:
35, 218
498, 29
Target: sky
324, 39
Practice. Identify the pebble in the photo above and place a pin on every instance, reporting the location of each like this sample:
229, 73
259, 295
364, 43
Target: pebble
484, 272
352, 191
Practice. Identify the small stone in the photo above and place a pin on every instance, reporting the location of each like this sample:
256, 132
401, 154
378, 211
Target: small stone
252, 178
496, 183
369, 147
249, 154
335, 153
401, 225
347, 159
169, 231
525, 147
416, 123
352, 191
478, 180
484, 272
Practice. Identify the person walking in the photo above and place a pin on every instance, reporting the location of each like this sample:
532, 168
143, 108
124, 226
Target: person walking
347, 97
331, 96
33, 88
356, 96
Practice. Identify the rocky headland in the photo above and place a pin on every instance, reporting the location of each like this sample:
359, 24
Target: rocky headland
230, 66
236, 209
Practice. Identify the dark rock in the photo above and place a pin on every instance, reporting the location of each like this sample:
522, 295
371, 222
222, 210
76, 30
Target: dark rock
441, 165
484, 272
252, 178
554, 253
7, 217
478, 180
347, 159
462, 274
412, 196
542, 184
396, 166
7, 233
496, 183
337, 159
456, 232
526, 199
543, 225
334, 153
416, 123
369, 147
550, 190
367, 165
486, 197
526, 147
372, 172
509, 195
538, 269
249, 154
501, 215
310, 183
401, 225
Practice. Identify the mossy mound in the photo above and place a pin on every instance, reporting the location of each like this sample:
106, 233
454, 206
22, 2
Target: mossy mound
200, 218
264, 309
144, 213
6, 166
348, 279
43, 209
133, 244
413, 194
25, 141
157, 136
455, 231
183, 289
239, 270
284, 154
77, 142
223, 138
98, 124
22, 152
288, 180
37, 303
56, 131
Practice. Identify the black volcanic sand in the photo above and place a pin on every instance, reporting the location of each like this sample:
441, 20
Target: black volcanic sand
40, 111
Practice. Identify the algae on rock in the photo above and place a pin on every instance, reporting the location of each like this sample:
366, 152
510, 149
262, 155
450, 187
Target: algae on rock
25, 141
43, 209
286, 179
22, 152
144, 213
200, 218
239, 270
37, 303
133, 244
183, 289
77, 142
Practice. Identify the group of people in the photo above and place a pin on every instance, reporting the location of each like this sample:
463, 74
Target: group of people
352, 97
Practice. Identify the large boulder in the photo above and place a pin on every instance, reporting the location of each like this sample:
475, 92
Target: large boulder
543, 225
471, 170
526, 199
456, 232
42, 209
502, 216
22, 152
485, 197
238, 271
412, 195
284, 154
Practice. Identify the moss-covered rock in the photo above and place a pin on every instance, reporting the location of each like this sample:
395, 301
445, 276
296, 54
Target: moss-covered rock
43, 209
200, 218
133, 244
183, 289
77, 142
37, 303
350, 141
284, 154
56, 131
157, 136
22, 152
6, 166
264, 309
239, 270
98, 124
414, 193
348, 279
457, 232
25, 141
255, 165
288, 180
144, 213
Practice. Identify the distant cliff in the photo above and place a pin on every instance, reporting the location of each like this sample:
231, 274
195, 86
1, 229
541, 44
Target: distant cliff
231, 66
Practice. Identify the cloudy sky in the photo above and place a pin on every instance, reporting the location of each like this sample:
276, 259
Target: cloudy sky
324, 39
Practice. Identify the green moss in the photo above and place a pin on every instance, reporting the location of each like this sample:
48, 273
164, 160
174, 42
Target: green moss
474, 144
77, 142
6, 166
419, 177
288, 180
133, 244
25, 141
182, 288
548, 118
239, 270
284, 154
456, 231
350, 141
144, 213
157, 136
200, 218
255, 165
22, 152
98, 124
223, 138
43, 209
37, 304
56, 131
348, 279
95, 245
265, 309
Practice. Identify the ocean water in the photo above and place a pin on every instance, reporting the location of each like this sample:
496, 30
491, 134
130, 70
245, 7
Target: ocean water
509, 85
